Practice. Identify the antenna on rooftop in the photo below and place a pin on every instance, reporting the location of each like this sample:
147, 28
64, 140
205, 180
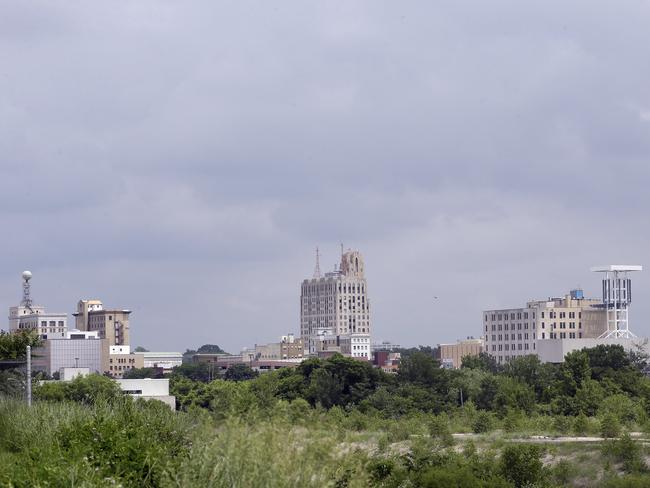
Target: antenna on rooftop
342, 251
317, 273
27, 298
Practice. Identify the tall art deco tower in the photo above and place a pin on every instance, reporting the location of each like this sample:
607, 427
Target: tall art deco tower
335, 310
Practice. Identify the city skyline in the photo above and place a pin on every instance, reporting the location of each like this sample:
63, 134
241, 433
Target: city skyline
438, 335
184, 160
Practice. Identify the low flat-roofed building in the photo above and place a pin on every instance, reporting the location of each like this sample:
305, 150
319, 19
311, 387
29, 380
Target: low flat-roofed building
148, 389
116, 360
451, 355
384, 346
288, 348
79, 349
68, 374
163, 360
555, 350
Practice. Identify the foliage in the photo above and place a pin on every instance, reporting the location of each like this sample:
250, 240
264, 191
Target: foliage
521, 464
580, 424
13, 345
210, 349
625, 450
483, 423
240, 372
483, 362
128, 443
610, 426
83, 389
203, 372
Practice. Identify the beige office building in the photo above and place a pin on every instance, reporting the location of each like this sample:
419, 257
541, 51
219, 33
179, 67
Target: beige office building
117, 360
289, 348
513, 332
112, 325
451, 355
335, 309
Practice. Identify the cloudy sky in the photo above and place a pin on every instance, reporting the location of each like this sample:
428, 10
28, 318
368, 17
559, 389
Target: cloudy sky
184, 159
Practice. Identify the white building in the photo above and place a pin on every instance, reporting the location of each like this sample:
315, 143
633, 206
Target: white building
551, 328
554, 350
29, 316
149, 389
165, 360
515, 332
78, 349
335, 309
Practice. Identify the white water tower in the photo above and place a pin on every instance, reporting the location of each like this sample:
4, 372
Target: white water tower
617, 296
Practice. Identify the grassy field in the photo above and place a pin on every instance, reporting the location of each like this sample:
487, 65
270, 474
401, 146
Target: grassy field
127, 443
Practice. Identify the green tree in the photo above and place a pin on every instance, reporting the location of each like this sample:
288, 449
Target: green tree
589, 397
483, 361
487, 393
484, 422
610, 426
521, 465
574, 371
240, 372
83, 389
196, 371
13, 345
513, 394
580, 424
210, 349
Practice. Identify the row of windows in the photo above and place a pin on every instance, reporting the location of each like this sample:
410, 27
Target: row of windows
508, 347
562, 315
52, 323
512, 337
563, 335
506, 326
120, 368
122, 360
572, 325
342, 288
513, 316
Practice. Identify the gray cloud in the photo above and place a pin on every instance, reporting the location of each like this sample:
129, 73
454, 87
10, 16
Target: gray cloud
183, 160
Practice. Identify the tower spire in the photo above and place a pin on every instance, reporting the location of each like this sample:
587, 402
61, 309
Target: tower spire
317, 273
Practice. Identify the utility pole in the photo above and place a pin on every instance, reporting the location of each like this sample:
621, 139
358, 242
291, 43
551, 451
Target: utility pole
29, 376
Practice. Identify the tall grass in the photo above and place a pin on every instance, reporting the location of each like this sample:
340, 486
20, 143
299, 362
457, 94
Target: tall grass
122, 442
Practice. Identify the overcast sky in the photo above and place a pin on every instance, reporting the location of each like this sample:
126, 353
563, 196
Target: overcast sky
184, 159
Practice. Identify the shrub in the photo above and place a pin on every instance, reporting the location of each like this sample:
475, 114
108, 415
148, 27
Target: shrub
561, 424
610, 426
454, 475
580, 424
521, 464
628, 452
512, 421
562, 472
439, 429
87, 389
299, 410
482, 423
634, 481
